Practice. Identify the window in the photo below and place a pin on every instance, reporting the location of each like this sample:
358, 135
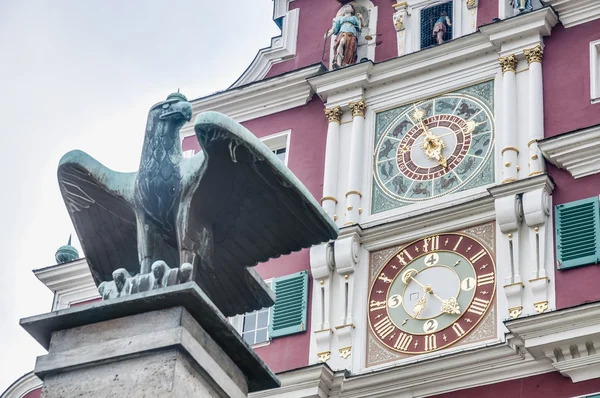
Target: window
256, 326
595, 71
286, 317
434, 18
281, 153
578, 233
279, 144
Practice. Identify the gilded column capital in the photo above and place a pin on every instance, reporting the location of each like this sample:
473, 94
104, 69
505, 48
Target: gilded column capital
508, 63
534, 54
334, 114
358, 108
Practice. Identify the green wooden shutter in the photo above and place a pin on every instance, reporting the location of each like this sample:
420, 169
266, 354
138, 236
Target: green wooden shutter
578, 233
288, 315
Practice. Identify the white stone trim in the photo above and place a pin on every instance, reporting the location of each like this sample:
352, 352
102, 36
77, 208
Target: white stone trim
595, 72
568, 338
282, 47
577, 152
23, 386
278, 141
575, 12
259, 99
467, 369
71, 283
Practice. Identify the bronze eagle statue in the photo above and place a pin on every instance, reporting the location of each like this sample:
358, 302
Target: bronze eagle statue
208, 218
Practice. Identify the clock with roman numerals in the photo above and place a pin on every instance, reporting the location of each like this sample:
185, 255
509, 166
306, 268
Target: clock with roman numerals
432, 293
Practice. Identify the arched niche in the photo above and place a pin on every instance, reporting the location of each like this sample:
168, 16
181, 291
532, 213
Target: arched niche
367, 38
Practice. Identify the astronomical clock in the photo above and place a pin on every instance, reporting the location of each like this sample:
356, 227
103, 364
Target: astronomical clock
433, 148
437, 292
434, 293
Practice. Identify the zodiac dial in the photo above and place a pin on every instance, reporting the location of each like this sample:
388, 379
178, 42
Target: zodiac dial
434, 147
432, 293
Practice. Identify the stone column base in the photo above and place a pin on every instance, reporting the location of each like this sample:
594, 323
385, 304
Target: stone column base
170, 342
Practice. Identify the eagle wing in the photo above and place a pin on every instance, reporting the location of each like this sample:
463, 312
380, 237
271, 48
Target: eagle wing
99, 201
263, 211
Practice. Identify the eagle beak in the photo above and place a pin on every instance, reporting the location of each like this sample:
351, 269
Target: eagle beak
180, 109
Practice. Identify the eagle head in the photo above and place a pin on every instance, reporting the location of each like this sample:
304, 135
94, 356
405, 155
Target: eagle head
175, 108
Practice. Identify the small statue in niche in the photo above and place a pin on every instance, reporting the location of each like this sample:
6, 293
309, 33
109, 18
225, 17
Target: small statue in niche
440, 27
520, 6
347, 27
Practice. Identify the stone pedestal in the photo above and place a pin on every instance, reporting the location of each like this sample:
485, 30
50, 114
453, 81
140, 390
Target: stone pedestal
171, 342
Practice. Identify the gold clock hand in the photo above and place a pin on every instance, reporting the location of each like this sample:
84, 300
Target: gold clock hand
450, 306
420, 306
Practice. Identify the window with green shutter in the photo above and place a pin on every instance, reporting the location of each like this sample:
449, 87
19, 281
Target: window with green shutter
578, 233
288, 315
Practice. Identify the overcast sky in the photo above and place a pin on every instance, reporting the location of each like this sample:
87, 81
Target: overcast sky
83, 74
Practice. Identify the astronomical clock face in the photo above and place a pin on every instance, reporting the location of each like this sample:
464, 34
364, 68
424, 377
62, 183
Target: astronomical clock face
432, 148
432, 293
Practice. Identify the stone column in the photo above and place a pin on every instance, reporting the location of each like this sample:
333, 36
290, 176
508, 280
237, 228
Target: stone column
509, 151
354, 196
536, 108
332, 149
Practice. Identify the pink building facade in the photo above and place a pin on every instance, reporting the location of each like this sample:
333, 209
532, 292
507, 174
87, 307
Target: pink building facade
459, 154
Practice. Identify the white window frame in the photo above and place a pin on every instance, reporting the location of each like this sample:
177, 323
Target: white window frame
238, 322
595, 72
278, 141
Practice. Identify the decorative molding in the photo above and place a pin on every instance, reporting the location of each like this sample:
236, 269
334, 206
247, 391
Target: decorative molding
70, 282
24, 385
577, 152
467, 369
334, 114
569, 338
282, 48
575, 12
454, 215
259, 99
534, 54
508, 64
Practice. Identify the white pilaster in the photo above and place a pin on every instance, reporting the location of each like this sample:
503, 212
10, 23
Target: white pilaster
354, 195
536, 108
329, 200
536, 208
400, 21
509, 216
347, 254
509, 151
321, 266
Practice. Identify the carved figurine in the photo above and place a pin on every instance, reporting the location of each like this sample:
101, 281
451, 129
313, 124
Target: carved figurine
347, 28
440, 27
212, 216
520, 6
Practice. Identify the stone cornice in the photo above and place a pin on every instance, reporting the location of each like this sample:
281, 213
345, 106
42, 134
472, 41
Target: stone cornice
258, 99
510, 32
578, 152
569, 338
66, 276
523, 185
310, 381
452, 215
470, 368
575, 12
282, 47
